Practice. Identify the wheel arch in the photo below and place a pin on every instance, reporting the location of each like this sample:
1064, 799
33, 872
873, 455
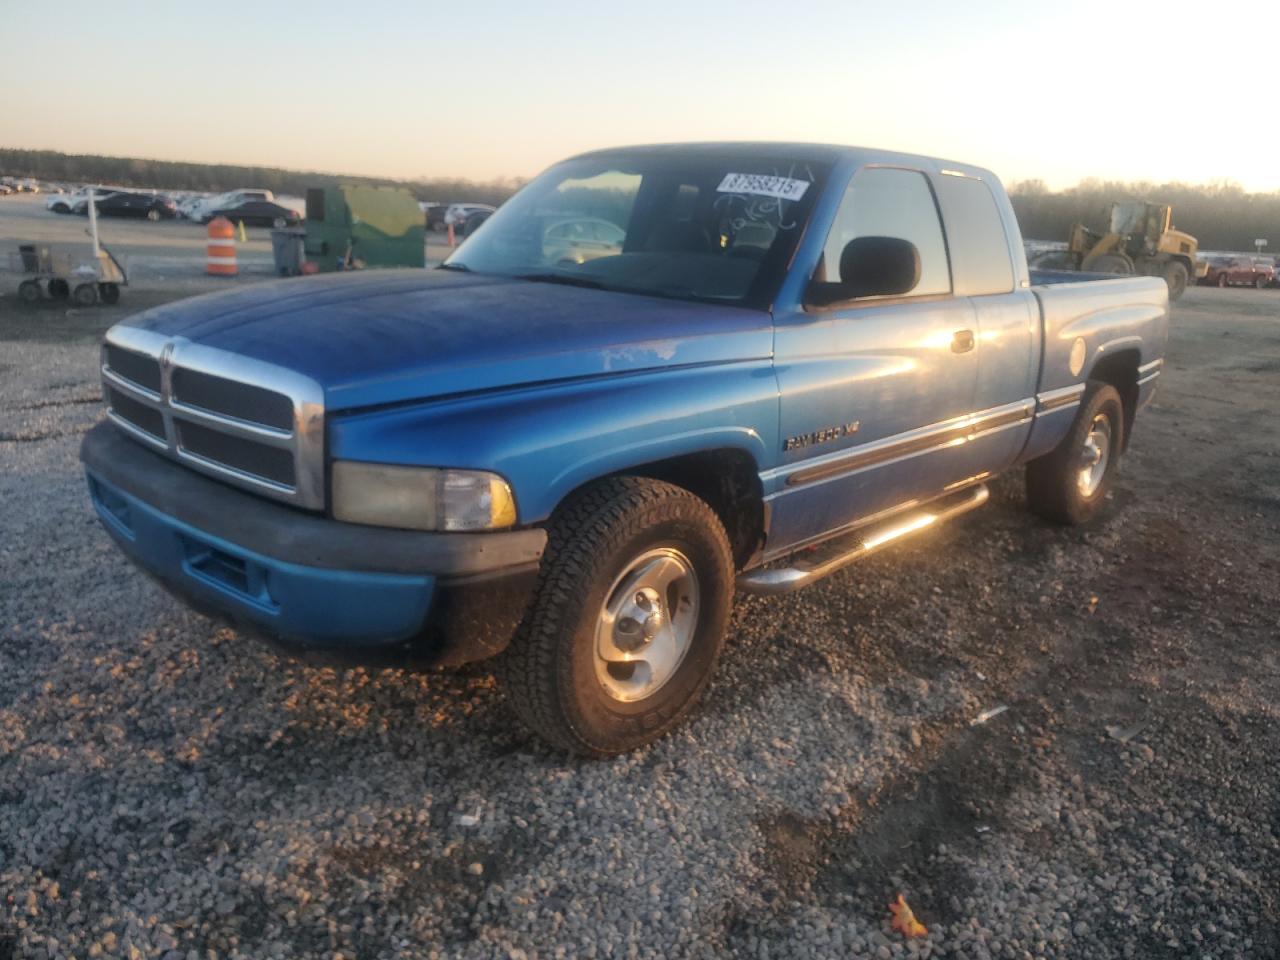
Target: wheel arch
726, 478
1119, 367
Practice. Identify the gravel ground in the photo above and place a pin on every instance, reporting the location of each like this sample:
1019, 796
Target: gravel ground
170, 789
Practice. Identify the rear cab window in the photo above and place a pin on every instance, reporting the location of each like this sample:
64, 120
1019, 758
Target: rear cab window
979, 245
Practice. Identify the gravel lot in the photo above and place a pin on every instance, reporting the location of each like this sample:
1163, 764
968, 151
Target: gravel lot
170, 789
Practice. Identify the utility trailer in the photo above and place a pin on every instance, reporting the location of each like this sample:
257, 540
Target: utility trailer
71, 272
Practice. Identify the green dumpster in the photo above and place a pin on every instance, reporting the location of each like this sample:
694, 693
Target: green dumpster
355, 227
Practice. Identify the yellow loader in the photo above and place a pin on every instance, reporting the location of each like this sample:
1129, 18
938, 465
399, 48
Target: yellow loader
1141, 239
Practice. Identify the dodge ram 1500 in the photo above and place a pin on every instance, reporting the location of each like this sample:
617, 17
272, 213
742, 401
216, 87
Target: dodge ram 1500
655, 376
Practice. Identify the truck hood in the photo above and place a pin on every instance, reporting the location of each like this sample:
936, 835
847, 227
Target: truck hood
392, 336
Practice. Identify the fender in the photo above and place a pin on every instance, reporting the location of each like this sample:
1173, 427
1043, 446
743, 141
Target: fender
546, 441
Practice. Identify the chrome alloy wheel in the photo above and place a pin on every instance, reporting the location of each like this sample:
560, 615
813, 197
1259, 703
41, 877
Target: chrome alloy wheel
1094, 456
646, 624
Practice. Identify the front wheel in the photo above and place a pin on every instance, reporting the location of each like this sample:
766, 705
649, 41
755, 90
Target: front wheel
1110, 263
153, 215
1176, 276
1222, 279
1261, 283
1069, 484
627, 622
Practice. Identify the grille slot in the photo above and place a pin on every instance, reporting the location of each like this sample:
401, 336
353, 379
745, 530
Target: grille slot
247, 456
229, 398
145, 418
245, 421
144, 371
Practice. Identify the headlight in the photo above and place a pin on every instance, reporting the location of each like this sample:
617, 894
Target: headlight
421, 498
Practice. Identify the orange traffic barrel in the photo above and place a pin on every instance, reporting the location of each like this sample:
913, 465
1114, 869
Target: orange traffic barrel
221, 251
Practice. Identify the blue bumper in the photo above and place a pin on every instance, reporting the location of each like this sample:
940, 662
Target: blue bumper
307, 604
308, 583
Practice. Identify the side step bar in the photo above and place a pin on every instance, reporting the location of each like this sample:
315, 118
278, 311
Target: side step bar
838, 553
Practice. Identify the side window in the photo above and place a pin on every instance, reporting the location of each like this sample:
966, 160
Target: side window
315, 205
889, 202
979, 246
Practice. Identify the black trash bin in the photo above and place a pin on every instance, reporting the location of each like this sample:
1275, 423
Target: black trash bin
286, 248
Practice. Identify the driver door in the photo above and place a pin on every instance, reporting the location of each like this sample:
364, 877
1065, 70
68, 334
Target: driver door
874, 392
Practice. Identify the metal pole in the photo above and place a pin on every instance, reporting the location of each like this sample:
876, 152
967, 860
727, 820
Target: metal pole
93, 225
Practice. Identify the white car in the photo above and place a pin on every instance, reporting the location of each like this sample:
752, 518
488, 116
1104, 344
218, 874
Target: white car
77, 200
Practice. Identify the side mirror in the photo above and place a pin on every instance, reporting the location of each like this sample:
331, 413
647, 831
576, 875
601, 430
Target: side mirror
870, 267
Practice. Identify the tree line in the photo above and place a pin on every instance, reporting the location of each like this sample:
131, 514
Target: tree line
1220, 215
50, 165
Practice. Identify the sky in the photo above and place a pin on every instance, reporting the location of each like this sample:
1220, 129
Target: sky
486, 89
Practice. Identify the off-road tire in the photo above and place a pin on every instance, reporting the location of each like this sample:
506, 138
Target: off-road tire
548, 672
1052, 490
1112, 263
1177, 277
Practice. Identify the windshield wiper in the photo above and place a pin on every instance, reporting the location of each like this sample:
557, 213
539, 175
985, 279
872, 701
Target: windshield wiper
460, 267
567, 279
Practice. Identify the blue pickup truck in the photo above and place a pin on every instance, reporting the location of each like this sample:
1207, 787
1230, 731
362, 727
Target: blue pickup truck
656, 376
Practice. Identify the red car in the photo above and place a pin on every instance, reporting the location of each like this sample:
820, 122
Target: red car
1240, 272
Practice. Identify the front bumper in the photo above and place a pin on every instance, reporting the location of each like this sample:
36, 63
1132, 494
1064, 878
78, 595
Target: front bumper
312, 585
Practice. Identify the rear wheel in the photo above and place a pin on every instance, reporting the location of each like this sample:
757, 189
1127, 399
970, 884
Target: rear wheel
59, 289
85, 295
153, 215
109, 293
1176, 276
29, 291
1222, 279
1260, 283
279, 223
1070, 484
628, 619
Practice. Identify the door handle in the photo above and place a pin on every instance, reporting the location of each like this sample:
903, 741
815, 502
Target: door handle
962, 341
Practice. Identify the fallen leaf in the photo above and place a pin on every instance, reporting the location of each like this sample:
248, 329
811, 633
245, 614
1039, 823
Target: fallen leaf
986, 715
904, 921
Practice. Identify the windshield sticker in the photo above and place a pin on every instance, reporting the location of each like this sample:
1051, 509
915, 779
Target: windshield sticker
782, 188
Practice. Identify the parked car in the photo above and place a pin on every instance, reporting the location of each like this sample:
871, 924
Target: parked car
434, 215
581, 239
202, 209
474, 221
802, 354
256, 213
127, 204
1257, 272
455, 215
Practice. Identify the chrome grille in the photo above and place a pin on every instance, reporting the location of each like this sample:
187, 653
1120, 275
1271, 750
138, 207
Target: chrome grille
248, 422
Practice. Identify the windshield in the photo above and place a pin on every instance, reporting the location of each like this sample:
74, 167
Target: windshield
690, 226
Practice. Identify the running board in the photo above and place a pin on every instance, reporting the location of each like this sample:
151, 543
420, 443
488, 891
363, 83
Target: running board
838, 553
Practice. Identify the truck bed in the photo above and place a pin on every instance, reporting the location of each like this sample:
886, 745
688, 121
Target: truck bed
1109, 313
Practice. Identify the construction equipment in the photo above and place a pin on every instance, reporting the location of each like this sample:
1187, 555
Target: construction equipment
1140, 239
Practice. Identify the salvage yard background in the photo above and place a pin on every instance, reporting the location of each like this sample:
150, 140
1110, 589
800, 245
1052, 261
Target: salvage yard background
170, 789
